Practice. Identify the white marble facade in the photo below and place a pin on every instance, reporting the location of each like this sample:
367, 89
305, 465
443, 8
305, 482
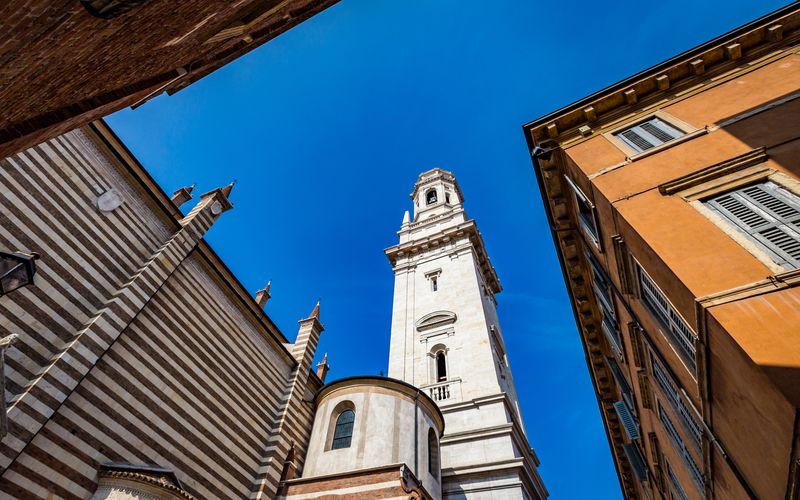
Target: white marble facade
446, 339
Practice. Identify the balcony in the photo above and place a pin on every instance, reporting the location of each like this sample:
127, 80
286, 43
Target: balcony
448, 391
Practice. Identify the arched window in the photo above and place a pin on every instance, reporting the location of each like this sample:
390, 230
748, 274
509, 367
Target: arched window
343, 433
441, 367
433, 453
430, 197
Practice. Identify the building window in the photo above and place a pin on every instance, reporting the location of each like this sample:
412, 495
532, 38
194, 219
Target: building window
636, 459
648, 134
447, 198
433, 454
343, 433
602, 292
433, 277
586, 216
682, 449
621, 380
676, 490
430, 197
675, 328
681, 408
768, 215
441, 366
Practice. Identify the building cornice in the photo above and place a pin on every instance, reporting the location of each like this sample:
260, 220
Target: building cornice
466, 229
577, 277
696, 68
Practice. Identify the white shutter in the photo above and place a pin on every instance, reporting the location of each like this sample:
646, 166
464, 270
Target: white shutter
767, 214
648, 134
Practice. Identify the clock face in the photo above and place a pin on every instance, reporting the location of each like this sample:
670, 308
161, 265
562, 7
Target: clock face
110, 200
216, 208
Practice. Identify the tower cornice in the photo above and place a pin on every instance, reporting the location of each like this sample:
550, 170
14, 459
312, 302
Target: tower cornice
466, 229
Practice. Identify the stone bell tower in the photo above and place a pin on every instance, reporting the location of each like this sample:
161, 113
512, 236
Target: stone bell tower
447, 341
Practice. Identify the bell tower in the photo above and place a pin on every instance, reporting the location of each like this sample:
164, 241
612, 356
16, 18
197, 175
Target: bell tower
447, 341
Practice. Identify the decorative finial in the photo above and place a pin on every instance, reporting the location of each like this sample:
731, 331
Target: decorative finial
406, 218
315, 311
263, 295
227, 189
323, 367
182, 195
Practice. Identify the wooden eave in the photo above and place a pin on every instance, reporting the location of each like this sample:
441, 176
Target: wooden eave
105, 138
696, 67
247, 35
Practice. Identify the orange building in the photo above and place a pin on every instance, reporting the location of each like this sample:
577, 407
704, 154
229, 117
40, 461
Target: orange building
674, 202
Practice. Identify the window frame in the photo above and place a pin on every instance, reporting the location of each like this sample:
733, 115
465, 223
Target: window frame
671, 392
609, 320
336, 427
340, 408
432, 191
590, 228
688, 132
664, 323
434, 455
771, 219
440, 366
695, 471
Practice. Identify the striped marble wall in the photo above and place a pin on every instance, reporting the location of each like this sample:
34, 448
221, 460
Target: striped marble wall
135, 345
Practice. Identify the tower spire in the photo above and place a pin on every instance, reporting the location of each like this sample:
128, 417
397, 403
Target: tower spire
315, 311
227, 189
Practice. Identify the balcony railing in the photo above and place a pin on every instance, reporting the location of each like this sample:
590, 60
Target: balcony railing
444, 392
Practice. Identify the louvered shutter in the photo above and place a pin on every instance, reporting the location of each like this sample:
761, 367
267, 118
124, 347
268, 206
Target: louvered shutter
627, 419
635, 139
649, 134
636, 460
619, 378
769, 215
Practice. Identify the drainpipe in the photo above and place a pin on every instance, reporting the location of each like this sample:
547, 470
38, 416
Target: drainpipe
416, 437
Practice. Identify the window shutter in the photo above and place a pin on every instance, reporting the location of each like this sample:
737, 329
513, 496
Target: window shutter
636, 460
649, 134
660, 129
644, 389
677, 489
769, 215
677, 330
627, 419
634, 138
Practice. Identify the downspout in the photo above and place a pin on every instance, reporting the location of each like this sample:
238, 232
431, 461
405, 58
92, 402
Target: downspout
416, 437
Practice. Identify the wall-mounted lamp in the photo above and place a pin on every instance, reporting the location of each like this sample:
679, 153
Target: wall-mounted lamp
16, 270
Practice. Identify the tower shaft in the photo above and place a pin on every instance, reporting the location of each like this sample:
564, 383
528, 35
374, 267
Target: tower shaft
446, 339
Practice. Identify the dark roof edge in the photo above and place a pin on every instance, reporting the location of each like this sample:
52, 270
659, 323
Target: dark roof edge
736, 32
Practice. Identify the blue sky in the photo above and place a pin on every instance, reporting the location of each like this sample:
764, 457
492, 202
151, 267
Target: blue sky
327, 127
